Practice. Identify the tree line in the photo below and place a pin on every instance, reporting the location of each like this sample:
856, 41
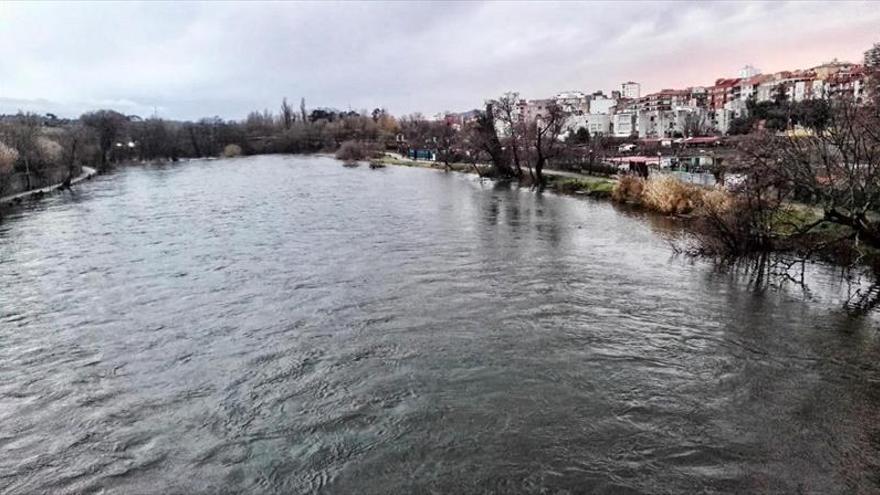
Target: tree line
37, 150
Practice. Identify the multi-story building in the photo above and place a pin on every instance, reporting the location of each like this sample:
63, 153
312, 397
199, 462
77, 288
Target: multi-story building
872, 57
851, 83
663, 100
828, 69
530, 110
573, 102
631, 90
601, 104
673, 122
537, 108
624, 121
723, 91
698, 96
598, 124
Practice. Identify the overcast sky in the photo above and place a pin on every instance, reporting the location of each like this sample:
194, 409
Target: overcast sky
188, 60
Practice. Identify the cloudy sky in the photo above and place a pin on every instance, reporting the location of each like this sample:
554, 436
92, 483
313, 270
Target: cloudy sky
188, 60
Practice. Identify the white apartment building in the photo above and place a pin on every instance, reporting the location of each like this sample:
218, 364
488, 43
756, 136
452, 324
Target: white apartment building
595, 123
632, 90
573, 102
601, 104
624, 122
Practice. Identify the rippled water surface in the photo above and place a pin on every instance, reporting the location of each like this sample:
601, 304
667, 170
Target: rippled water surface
287, 325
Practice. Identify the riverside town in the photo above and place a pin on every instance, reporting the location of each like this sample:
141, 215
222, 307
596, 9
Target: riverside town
445, 247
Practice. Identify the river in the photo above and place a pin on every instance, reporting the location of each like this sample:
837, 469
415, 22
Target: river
288, 325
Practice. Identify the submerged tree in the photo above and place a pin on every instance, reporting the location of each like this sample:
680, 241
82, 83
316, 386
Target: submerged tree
832, 171
547, 132
22, 135
513, 128
485, 139
108, 126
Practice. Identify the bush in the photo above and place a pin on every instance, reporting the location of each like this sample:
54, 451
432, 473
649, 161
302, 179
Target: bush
352, 151
670, 196
8, 156
664, 194
231, 150
727, 225
628, 189
49, 151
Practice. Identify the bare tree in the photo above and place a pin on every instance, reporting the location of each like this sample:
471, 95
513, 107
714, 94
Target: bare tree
22, 135
513, 127
108, 125
286, 115
444, 138
485, 140
547, 132
8, 157
302, 111
837, 167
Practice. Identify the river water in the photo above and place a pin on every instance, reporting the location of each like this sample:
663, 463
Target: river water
288, 325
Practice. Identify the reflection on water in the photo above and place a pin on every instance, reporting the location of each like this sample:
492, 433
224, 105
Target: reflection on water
287, 325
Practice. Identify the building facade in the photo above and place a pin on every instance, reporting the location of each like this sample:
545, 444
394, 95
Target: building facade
631, 90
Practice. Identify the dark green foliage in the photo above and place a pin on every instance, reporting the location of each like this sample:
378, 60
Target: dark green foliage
581, 136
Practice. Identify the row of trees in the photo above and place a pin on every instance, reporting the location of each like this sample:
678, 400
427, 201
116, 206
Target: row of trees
36, 150
500, 135
38, 147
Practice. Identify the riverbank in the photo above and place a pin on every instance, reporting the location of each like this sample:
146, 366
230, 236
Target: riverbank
560, 181
717, 226
87, 173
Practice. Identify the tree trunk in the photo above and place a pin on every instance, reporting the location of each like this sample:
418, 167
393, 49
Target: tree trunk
539, 169
867, 232
27, 172
195, 143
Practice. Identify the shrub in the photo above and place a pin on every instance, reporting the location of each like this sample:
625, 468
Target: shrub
231, 150
8, 156
352, 151
49, 151
716, 202
670, 196
727, 225
628, 189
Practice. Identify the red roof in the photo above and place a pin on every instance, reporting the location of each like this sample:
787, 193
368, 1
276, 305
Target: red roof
727, 82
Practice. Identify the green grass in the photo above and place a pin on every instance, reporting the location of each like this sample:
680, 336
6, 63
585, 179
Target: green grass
791, 218
388, 160
592, 186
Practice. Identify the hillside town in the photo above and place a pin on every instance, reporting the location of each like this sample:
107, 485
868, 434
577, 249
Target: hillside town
695, 111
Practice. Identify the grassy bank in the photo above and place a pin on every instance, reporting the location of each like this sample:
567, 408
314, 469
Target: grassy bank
582, 185
597, 187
